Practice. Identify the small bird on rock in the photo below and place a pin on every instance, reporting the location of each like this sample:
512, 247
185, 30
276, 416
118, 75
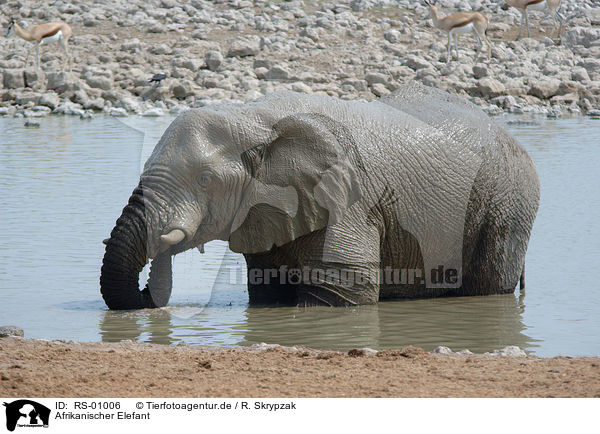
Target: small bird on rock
158, 78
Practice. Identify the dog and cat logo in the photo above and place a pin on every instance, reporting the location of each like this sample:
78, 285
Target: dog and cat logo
26, 413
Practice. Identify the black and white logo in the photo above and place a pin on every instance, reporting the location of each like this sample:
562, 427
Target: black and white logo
26, 413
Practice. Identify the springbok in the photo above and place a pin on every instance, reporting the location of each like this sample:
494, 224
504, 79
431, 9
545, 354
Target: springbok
463, 22
42, 34
536, 5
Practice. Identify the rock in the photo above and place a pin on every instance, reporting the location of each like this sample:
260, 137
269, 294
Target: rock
566, 99
480, 71
443, 350
492, 109
261, 72
13, 78
310, 33
379, 89
160, 49
11, 331
392, 36
118, 112
362, 352
594, 113
182, 89
123, 100
359, 85
373, 78
301, 87
99, 82
278, 72
510, 351
27, 98
247, 46
554, 112
580, 36
416, 62
153, 112
31, 77
69, 108
62, 82
580, 74
187, 63
178, 109
50, 100
94, 104
213, 60
544, 88
505, 101
131, 45
490, 87
271, 347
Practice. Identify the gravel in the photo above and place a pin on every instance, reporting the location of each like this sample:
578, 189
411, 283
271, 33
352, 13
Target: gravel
241, 50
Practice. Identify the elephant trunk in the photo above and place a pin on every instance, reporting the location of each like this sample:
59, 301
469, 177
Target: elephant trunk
126, 255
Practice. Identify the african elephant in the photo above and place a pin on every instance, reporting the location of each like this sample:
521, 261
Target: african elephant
332, 202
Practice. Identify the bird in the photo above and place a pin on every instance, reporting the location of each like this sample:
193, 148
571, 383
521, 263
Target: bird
157, 78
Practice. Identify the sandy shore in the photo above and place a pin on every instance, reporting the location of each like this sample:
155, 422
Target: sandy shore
35, 368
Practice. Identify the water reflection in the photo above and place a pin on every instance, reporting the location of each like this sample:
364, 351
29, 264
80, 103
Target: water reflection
478, 323
146, 326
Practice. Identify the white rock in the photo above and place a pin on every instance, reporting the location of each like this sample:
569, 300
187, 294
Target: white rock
69, 108
118, 112
379, 89
443, 350
545, 88
248, 46
490, 87
13, 78
213, 60
510, 351
153, 112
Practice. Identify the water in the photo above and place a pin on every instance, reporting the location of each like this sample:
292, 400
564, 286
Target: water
63, 186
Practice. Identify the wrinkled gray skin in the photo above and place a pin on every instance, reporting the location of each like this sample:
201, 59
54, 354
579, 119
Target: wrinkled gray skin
417, 179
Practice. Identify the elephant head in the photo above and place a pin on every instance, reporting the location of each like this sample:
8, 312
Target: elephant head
257, 178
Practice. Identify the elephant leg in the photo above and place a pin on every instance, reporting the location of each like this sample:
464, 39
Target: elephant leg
296, 274
267, 279
344, 271
494, 261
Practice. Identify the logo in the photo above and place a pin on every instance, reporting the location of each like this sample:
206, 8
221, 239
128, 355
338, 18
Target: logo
26, 413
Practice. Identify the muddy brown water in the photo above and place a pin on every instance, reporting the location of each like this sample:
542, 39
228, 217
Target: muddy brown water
63, 185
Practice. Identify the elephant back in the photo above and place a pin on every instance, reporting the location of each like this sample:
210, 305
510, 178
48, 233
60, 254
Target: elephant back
458, 118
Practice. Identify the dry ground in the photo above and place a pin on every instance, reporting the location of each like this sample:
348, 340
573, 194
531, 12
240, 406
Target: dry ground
30, 368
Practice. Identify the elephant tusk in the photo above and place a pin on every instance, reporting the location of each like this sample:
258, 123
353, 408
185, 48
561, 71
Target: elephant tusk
172, 238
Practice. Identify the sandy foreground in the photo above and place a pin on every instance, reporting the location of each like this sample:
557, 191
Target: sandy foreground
35, 368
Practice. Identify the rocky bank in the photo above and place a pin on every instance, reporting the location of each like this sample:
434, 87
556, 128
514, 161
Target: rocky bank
240, 50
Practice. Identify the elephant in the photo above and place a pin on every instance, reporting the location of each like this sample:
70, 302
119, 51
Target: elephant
332, 202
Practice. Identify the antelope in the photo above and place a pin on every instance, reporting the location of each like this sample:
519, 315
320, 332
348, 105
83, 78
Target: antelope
44, 33
536, 5
463, 22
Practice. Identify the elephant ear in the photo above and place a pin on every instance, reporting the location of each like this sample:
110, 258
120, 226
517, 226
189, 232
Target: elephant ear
302, 181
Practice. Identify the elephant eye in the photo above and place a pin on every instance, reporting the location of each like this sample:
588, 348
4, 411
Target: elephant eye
205, 180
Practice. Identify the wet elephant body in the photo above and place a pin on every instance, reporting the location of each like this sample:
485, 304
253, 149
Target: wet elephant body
332, 202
